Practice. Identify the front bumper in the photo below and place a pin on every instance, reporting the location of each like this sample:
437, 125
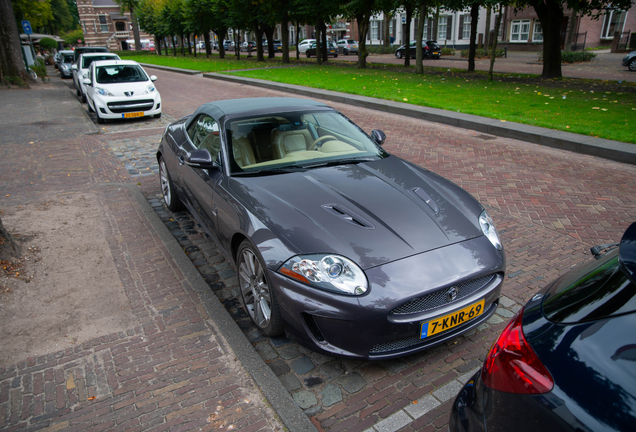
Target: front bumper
386, 321
114, 107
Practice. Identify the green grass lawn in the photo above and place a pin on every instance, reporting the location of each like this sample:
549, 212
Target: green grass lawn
597, 108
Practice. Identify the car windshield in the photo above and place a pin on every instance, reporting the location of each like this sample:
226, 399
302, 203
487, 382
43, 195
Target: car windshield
297, 141
120, 73
86, 61
67, 58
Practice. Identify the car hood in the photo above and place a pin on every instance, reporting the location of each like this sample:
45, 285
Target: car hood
138, 88
372, 212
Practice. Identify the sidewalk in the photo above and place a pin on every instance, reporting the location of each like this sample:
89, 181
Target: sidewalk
182, 363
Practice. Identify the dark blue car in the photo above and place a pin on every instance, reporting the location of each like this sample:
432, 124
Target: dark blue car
567, 360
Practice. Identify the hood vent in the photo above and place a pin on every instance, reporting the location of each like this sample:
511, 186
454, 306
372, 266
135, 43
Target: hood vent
347, 215
426, 198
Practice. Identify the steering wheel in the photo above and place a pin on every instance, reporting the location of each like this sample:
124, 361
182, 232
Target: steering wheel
313, 144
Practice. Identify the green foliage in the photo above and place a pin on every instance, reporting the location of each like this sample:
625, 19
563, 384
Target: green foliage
37, 12
572, 56
378, 49
481, 53
448, 51
48, 44
72, 37
595, 48
40, 68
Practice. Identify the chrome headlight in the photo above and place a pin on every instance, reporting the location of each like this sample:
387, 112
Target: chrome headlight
328, 272
151, 88
489, 230
103, 91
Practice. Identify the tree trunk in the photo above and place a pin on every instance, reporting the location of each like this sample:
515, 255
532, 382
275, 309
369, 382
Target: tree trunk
174, 45
269, 32
9, 247
189, 42
570, 35
387, 33
284, 36
419, 53
407, 36
259, 42
182, 46
474, 17
551, 15
363, 30
318, 29
157, 44
11, 60
297, 40
494, 44
487, 40
325, 56
135, 28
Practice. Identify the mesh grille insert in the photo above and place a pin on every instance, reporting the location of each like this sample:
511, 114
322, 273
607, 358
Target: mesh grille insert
440, 298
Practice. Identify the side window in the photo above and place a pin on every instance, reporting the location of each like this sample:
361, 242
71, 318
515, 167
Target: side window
204, 134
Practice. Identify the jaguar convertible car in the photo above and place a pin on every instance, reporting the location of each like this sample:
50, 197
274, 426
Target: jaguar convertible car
347, 249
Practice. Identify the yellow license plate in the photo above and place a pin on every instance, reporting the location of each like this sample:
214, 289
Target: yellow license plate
133, 115
435, 52
449, 321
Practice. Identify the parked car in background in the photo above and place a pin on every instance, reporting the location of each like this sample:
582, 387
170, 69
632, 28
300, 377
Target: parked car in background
248, 46
349, 250
347, 46
65, 65
119, 89
80, 50
228, 45
431, 50
630, 61
332, 49
80, 69
304, 45
58, 57
278, 45
567, 359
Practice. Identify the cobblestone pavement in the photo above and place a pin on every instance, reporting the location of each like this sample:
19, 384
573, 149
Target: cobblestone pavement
174, 369
550, 206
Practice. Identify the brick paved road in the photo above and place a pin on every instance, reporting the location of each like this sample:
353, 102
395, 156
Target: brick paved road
550, 207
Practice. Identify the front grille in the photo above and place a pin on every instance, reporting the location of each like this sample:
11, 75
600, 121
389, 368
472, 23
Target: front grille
439, 298
414, 341
313, 327
131, 106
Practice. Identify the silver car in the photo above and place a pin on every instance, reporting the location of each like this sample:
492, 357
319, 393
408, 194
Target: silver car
346, 46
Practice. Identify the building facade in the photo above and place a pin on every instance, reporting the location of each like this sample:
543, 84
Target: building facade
104, 24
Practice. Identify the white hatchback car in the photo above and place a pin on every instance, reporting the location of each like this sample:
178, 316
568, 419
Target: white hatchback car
118, 89
304, 45
80, 69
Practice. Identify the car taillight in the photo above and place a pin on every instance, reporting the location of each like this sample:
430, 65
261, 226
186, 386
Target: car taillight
426, 47
512, 366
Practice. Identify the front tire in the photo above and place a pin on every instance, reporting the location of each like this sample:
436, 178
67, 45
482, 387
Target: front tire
632, 65
257, 292
100, 120
307, 54
157, 115
399, 54
170, 197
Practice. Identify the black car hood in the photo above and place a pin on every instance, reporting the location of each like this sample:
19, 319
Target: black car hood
371, 212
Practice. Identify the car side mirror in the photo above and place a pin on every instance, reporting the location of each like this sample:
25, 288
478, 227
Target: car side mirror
153, 78
74, 67
87, 82
378, 136
200, 158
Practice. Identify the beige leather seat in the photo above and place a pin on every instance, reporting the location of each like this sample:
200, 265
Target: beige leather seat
242, 151
289, 141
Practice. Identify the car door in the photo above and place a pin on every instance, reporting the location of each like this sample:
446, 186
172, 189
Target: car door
199, 184
90, 89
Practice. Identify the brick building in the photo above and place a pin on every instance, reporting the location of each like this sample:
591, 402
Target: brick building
524, 33
104, 24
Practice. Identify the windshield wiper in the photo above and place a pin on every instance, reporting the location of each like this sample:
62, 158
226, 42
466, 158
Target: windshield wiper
281, 170
338, 162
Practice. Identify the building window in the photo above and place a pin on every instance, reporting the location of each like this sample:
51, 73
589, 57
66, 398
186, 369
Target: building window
464, 26
103, 24
537, 32
444, 27
519, 30
613, 21
120, 26
374, 30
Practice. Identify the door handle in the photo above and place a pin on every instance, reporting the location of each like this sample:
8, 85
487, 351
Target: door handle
181, 160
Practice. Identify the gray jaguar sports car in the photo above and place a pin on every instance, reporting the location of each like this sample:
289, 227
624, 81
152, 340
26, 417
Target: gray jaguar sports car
345, 248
